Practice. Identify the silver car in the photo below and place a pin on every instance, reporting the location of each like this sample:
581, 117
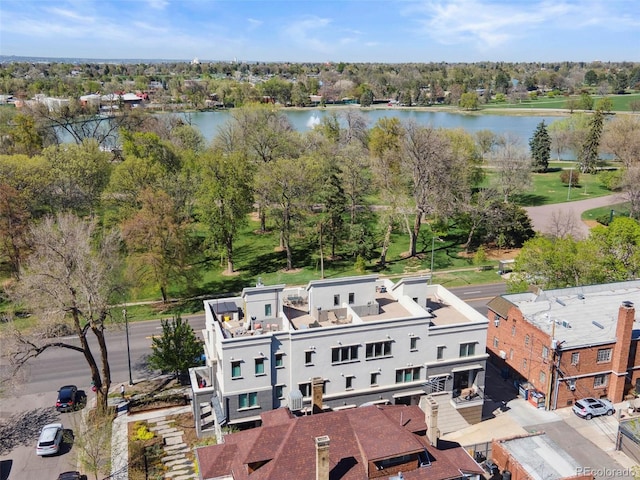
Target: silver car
592, 407
50, 439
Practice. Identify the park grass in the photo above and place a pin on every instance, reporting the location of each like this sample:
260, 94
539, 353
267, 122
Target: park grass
621, 103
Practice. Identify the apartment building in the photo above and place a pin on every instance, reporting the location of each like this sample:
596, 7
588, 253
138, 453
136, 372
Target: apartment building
368, 340
569, 343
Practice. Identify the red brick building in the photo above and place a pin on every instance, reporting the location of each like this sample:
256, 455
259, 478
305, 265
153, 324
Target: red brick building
568, 343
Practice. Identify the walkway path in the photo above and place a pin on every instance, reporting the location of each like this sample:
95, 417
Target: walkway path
546, 217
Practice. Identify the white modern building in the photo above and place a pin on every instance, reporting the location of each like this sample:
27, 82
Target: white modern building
369, 341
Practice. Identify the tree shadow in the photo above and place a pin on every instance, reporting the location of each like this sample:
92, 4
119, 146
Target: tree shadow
529, 200
24, 428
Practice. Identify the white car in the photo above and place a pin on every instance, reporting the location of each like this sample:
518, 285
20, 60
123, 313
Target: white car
50, 439
592, 407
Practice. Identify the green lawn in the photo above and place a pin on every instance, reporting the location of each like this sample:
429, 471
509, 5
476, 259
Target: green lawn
620, 102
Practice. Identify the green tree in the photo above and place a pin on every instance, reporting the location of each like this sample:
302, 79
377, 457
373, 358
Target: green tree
590, 77
604, 104
540, 145
588, 156
177, 349
585, 102
366, 99
14, 224
157, 236
224, 199
469, 101
334, 200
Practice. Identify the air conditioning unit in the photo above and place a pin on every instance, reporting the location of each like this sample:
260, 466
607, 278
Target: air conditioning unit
503, 354
496, 322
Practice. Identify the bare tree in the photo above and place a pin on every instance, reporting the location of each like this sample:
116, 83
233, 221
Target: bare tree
512, 167
92, 442
563, 224
67, 279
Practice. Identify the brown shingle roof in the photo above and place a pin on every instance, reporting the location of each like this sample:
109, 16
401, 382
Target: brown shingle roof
284, 447
500, 305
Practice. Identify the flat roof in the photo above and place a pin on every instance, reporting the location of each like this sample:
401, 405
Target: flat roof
582, 315
541, 457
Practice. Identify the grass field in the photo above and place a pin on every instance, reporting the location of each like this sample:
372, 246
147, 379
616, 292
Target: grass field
621, 103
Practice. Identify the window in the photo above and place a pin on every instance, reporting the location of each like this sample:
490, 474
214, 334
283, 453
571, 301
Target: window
336, 300
440, 352
279, 360
267, 310
604, 355
405, 375
305, 389
308, 357
280, 392
344, 354
467, 349
511, 354
526, 340
524, 364
374, 378
543, 378
513, 331
600, 381
545, 351
248, 400
348, 382
378, 349
413, 344
236, 371
352, 298
575, 358
259, 366
496, 342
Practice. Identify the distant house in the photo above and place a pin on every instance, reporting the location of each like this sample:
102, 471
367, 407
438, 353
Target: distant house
375, 441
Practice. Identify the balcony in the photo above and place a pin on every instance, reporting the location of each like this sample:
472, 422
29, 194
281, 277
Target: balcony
467, 397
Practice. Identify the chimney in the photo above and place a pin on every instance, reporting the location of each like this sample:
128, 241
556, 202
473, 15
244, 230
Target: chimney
621, 349
322, 458
431, 419
317, 383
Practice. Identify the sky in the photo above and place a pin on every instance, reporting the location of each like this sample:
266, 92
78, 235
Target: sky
385, 31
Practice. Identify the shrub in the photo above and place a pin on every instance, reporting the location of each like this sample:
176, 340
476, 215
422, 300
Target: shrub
142, 433
480, 256
611, 180
572, 176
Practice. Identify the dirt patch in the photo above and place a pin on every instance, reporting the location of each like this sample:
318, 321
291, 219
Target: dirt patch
293, 270
494, 253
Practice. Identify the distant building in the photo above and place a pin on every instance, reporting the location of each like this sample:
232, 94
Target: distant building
369, 340
387, 442
569, 343
536, 457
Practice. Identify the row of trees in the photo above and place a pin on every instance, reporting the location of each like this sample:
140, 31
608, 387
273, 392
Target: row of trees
241, 83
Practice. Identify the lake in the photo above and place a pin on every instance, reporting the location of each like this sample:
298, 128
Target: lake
521, 126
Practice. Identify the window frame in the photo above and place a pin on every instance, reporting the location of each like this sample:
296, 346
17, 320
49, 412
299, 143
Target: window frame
251, 399
371, 349
352, 298
402, 374
600, 381
236, 364
575, 355
279, 363
606, 353
413, 344
308, 357
440, 352
467, 349
344, 354
259, 362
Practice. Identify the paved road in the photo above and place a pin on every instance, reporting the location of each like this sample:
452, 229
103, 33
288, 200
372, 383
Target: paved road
546, 217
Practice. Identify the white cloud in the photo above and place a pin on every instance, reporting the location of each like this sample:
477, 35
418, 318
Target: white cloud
253, 23
158, 4
300, 33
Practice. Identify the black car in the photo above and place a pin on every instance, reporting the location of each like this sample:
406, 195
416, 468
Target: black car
67, 398
71, 476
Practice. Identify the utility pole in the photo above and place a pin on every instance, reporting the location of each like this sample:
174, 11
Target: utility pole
126, 328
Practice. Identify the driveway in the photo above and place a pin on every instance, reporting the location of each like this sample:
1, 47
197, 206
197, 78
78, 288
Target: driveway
566, 218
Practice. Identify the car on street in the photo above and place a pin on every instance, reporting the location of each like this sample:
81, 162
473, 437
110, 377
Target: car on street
67, 398
50, 439
592, 407
71, 476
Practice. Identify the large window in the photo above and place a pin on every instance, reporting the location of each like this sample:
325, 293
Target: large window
236, 370
378, 349
344, 354
600, 381
248, 400
604, 355
259, 366
467, 349
405, 375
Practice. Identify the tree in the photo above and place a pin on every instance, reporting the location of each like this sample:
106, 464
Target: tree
157, 237
540, 145
512, 167
469, 101
334, 199
588, 156
486, 140
92, 442
224, 199
67, 278
14, 223
590, 77
177, 349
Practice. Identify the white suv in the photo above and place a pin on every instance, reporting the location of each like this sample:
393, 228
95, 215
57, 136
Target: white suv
592, 407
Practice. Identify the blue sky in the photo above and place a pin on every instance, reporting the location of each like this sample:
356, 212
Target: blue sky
389, 31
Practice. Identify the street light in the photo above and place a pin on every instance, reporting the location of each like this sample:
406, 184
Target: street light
126, 329
433, 244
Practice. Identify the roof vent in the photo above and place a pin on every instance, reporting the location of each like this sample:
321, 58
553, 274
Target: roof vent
581, 296
561, 302
627, 304
599, 325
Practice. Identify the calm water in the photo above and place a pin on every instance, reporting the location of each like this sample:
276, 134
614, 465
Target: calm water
521, 126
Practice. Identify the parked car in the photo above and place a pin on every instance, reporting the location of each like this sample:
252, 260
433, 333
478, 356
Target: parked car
71, 476
67, 397
50, 439
592, 407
